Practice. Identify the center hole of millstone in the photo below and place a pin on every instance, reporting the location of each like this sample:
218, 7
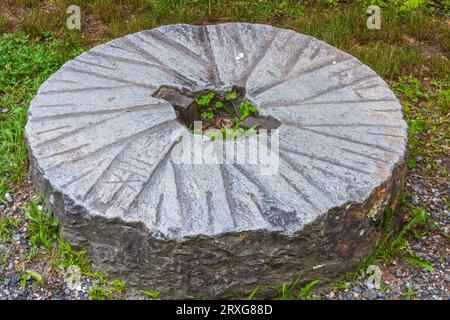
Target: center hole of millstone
229, 111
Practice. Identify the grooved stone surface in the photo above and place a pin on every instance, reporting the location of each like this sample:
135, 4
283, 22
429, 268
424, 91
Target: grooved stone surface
100, 148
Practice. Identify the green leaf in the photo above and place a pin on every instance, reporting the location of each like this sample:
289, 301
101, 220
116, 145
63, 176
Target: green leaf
35, 276
154, 295
218, 105
305, 292
205, 99
231, 95
416, 127
419, 262
207, 115
246, 109
251, 296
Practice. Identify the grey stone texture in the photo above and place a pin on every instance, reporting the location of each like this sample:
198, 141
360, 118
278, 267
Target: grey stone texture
100, 149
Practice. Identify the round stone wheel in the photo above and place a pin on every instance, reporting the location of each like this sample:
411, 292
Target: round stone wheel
100, 151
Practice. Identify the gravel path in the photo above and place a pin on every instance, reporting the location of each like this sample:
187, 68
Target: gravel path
14, 263
400, 280
432, 194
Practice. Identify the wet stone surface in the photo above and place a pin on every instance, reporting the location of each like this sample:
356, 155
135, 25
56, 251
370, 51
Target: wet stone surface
100, 150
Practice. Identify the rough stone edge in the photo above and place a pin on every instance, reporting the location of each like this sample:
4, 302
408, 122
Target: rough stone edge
234, 263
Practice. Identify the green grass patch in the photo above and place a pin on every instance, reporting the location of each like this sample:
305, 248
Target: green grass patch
426, 109
395, 242
7, 225
4, 23
294, 290
25, 64
152, 295
45, 239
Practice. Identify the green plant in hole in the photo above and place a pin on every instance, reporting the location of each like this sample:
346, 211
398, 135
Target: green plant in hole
233, 134
153, 295
229, 108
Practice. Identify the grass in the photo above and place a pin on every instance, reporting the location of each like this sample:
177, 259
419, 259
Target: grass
42, 229
107, 290
395, 242
7, 225
427, 110
44, 237
409, 293
294, 290
4, 23
152, 295
43, 233
24, 278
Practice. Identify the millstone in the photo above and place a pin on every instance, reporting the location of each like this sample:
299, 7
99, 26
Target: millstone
100, 150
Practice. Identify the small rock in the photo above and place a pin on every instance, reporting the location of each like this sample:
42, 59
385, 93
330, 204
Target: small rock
419, 159
15, 278
371, 294
9, 197
399, 272
358, 289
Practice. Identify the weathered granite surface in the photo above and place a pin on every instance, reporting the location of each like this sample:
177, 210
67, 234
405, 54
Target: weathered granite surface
100, 148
